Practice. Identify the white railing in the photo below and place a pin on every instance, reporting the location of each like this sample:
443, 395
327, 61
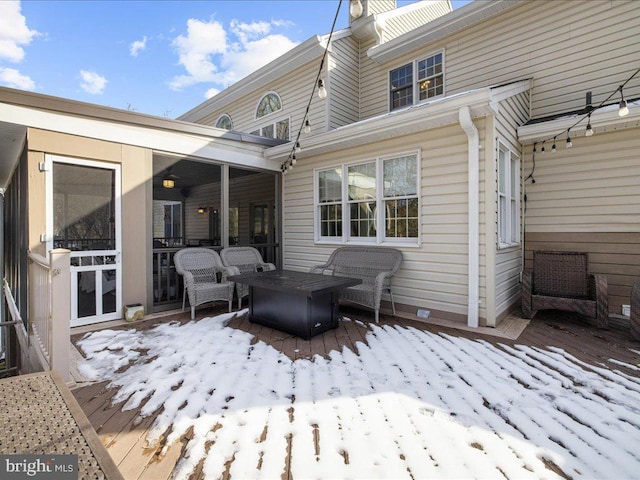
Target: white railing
40, 315
50, 310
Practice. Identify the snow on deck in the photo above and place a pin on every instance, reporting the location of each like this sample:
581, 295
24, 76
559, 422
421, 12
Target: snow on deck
409, 404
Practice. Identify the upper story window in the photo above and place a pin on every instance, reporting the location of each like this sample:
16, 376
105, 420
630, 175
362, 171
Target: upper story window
277, 127
369, 202
224, 121
270, 103
508, 197
416, 82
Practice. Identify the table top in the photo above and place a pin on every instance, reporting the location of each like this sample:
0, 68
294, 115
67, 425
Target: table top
289, 281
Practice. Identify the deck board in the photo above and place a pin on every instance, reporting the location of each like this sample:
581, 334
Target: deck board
123, 434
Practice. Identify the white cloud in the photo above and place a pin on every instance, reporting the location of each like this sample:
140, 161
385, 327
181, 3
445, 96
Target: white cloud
92, 82
209, 53
137, 46
14, 32
14, 79
212, 92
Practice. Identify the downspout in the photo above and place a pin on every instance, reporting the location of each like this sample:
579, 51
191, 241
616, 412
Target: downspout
473, 145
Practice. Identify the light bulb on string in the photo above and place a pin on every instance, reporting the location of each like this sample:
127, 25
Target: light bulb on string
307, 126
322, 91
297, 148
569, 142
553, 147
589, 131
355, 8
624, 109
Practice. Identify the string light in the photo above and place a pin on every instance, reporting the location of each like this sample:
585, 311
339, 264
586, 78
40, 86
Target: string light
322, 91
624, 110
589, 131
355, 8
542, 149
553, 147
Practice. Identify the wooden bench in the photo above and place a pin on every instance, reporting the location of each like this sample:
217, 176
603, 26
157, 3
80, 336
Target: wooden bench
375, 266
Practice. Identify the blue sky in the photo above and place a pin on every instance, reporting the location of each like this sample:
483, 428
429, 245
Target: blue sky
156, 57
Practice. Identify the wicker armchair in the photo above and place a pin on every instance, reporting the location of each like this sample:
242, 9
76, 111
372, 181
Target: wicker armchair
635, 311
246, 260
205, 277
560, 281
375, 266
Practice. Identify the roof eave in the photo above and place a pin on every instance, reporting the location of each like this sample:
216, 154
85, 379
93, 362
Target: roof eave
441, 112
437, 29
300, 55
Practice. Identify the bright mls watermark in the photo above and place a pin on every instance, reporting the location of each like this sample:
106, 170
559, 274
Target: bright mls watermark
46, 467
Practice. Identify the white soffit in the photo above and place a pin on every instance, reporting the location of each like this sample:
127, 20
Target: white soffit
187, 144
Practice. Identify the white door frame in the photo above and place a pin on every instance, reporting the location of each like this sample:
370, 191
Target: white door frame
86, 260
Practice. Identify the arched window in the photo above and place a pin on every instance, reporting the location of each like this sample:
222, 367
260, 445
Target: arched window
277, 127
270, 103
224, 121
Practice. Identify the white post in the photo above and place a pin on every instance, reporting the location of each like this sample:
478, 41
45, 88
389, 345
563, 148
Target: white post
60, 311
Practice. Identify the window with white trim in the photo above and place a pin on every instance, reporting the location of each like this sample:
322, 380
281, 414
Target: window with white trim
353, 200
270, 104
429, 81
508, 196
224, 121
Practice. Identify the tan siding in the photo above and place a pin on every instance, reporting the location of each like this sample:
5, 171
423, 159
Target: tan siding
513, 112
374, 96
432, 276
343, 83
564, 53
615, 255
592, 187
413, 18
373, 7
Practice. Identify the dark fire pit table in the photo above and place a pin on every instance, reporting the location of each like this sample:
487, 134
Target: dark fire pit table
303, 304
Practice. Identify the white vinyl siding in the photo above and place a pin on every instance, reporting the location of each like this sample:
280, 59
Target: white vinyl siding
412, 18
344, 91
294, 91
592, 187
507, 265
434, 274
524, 43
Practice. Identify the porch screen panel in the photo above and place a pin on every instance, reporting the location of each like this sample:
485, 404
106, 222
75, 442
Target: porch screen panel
83, 207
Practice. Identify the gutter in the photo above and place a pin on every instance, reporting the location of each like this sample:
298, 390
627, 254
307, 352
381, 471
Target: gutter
474, 215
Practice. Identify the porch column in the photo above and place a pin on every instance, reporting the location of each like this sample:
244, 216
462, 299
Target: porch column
60, 311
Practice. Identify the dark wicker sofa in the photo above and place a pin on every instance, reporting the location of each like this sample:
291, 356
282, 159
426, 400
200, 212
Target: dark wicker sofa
560, 281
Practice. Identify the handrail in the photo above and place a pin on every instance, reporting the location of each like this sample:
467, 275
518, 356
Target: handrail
40, 319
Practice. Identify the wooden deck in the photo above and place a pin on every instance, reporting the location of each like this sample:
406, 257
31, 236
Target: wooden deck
123, 433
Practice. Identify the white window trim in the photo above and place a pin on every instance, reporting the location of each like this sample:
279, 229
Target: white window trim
380, 239
255, 110
415, 89
513, 231
220, 117
273, 123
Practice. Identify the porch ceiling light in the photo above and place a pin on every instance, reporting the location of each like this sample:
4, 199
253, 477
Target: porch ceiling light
168, 183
